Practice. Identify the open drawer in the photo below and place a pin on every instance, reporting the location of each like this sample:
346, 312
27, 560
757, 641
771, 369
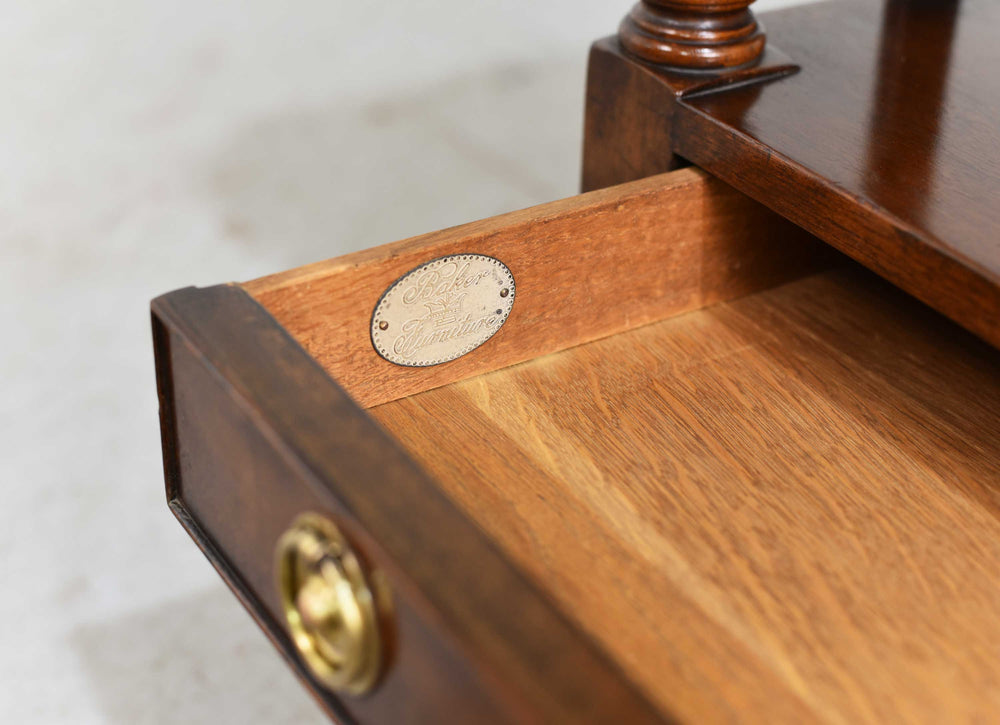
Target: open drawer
704, 469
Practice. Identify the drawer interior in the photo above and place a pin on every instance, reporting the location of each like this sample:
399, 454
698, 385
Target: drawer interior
760, 477
787, 499
585, 268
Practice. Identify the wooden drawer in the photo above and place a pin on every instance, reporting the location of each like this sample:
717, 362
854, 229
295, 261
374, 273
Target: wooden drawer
705, 470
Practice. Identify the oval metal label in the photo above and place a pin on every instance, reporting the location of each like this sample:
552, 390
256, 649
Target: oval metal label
442, 310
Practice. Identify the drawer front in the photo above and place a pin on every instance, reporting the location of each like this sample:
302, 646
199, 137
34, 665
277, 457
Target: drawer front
256, 434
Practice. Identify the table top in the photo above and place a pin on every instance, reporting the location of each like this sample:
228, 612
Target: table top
886, 143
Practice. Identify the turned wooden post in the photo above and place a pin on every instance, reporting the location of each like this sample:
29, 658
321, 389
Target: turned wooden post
693, 34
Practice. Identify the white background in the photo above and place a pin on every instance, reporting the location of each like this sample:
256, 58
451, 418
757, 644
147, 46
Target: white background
147, 145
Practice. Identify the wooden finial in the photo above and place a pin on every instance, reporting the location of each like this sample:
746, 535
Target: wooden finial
693, 34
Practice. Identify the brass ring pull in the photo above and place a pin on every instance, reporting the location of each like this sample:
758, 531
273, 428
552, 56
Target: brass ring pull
330, 609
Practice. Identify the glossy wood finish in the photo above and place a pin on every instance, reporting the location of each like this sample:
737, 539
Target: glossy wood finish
630, 107
693, 34
784, 508
885, 145
255, 433
780, 509
584, 267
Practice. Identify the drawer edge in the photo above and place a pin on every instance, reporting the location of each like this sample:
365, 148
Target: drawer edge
536, 666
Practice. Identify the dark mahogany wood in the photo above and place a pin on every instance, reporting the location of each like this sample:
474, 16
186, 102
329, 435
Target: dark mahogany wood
255, 433
886, 144
630, 108
693, 34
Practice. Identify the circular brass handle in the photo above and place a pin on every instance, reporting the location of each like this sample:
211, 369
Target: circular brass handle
331, 611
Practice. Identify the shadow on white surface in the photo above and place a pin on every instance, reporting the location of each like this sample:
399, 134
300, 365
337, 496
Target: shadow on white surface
352, 174
195, 660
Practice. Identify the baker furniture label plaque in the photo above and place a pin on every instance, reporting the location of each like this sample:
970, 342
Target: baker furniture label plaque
442, 310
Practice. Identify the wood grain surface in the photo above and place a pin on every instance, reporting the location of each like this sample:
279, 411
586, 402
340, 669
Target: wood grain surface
886, 144
585, 267
256, 434
783, 508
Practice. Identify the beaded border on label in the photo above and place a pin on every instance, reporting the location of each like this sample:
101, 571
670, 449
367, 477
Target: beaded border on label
373, 326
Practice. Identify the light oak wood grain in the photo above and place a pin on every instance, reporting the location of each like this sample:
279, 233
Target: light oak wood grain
782, 508
585, 267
